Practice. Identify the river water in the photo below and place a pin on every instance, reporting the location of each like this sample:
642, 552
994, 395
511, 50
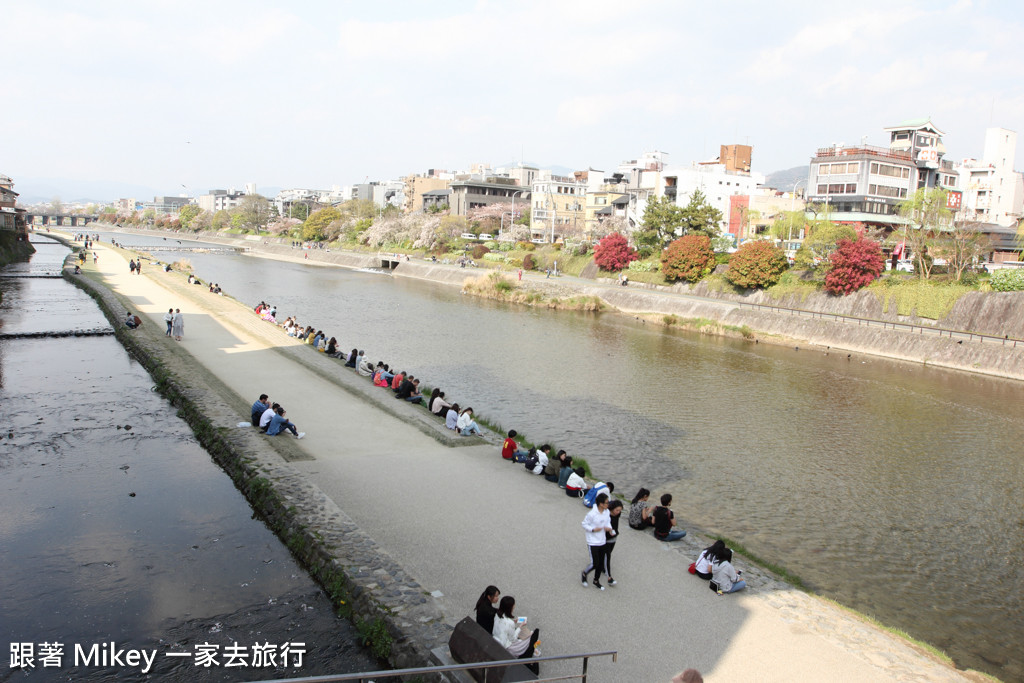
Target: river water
891, 487
115, 524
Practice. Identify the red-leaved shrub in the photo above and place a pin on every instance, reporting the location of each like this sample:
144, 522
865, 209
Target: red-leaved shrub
688, 258
854, 264
756, 263
613, 253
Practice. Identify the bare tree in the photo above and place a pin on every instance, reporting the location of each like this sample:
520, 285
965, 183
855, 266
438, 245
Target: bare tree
255, 211
962, 246
927, 218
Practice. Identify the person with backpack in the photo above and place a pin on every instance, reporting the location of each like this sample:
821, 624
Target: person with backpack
536, 460
665, 520
596, 526
600, 487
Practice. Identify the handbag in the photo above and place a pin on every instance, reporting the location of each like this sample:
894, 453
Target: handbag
692, 568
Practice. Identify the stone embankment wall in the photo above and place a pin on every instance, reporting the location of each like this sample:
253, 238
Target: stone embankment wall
987, 358
390, 609
13, 249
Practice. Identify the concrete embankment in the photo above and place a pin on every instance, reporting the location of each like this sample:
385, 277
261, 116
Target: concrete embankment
424, 526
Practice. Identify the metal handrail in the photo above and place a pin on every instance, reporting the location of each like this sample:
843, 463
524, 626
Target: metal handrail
369, 676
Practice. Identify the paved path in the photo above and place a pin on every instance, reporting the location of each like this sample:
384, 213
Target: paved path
460, 518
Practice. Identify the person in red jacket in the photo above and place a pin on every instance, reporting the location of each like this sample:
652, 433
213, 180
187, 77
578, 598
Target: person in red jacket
510, 449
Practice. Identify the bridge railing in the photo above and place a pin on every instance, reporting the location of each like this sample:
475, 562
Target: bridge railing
371, 676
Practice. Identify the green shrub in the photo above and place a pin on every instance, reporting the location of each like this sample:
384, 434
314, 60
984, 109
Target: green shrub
1008, 280
491, 256
493, 246
688, 258
757, 263
643, 266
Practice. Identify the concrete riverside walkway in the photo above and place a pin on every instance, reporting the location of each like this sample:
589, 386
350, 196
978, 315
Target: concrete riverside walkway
458, 519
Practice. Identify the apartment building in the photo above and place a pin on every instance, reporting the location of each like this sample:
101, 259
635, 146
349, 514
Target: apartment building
992, 191
416, 185
473, 192
557, 207
11, 217
865, 183
167, 206
218, 200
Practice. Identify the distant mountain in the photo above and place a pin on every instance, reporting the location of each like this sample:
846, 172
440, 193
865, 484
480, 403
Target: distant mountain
39, 190
786, 180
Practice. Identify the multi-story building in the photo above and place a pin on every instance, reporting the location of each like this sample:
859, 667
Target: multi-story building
11, 217
715, 181
217, 200
557, 207
607, 200
865, 183
416, 185
992, 191
473, 192
750, 215
167, 206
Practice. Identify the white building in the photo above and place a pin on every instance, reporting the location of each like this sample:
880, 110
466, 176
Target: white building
993, 191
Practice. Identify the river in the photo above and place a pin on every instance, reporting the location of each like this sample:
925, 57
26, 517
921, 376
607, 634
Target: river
115, 524
891, 487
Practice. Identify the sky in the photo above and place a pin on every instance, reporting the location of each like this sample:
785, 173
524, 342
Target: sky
187, 96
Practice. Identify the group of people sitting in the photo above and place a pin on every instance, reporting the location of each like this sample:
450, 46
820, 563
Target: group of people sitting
498, 618
714, 564
272, 418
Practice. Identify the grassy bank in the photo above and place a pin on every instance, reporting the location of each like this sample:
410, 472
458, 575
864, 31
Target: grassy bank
501, 288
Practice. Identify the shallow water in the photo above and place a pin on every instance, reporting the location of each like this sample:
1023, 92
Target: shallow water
891, 487
117, 526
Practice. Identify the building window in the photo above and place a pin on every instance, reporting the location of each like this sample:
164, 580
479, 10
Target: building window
889, 170
886, 191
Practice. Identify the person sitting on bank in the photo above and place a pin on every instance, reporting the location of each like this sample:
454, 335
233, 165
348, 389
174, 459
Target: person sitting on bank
515, 638
258, 408
640, 511
410, 390
365, 367
486, 608
132, 321
351, 360
396, 381
725, 576
510, 450
279, 423
537, 460
565, 471
575, 484
380, 377
437, 405
705, 561
466, 425
267, 416
665, 520
451, 419
331, 349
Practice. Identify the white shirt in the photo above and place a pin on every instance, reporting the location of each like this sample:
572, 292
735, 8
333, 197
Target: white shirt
542, 462
465, 420
594, 524
575, 481
266, 417
703, 564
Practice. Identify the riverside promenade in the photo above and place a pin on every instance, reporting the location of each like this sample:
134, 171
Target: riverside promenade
459, 518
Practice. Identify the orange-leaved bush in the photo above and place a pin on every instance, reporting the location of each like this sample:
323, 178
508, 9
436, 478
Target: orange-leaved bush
757, 263
613, 253
688, 258
854, 264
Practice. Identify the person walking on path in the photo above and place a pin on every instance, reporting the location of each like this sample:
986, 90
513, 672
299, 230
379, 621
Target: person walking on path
131, 266
169, 319
596, 525
178, 325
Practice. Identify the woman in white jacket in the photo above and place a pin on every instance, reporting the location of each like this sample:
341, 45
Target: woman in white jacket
519, 641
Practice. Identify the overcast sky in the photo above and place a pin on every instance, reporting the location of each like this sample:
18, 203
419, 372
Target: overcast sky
314, 94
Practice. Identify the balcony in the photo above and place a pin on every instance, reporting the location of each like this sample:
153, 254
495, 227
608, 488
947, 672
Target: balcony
869, 150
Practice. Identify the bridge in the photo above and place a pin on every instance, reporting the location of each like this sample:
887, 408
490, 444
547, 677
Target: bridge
72, 220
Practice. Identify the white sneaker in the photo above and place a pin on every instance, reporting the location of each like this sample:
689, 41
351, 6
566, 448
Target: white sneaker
301, 434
